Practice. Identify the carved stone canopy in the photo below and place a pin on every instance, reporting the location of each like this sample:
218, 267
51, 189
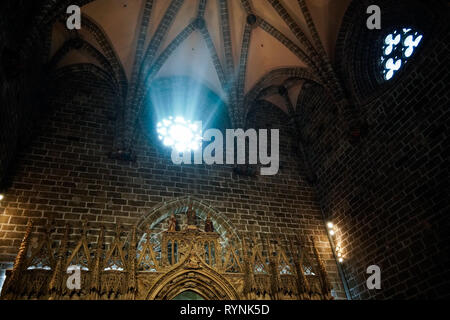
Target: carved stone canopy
190, 259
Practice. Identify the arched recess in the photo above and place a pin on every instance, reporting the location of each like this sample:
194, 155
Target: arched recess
59, 76
190, 270
202, 280
179, 206
82, 45
108, 50
285, 77
99, 46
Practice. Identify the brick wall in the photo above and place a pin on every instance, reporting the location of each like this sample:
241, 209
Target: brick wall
19, 72
66, 175
387, 195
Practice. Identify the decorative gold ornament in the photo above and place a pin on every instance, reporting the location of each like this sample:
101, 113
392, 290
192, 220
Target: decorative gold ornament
200, 261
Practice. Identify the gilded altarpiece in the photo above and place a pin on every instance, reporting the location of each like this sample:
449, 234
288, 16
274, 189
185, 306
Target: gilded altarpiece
161, 261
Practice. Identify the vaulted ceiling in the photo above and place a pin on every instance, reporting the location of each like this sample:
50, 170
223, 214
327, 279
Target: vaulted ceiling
237, 48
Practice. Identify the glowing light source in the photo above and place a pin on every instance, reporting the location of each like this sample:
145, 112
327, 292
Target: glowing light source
180, 134
339, 254
398, 47
338, 248
1, 197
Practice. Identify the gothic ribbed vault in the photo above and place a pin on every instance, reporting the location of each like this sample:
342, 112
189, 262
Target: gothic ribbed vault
240, 49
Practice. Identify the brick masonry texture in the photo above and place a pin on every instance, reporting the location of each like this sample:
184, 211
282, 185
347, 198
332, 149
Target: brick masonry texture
388, 194
66, 175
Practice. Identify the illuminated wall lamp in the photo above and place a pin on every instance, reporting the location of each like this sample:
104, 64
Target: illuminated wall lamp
330, 226
339, 254
338, 251
1, 196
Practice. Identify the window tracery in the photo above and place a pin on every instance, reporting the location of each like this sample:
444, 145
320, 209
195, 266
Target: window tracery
398, 47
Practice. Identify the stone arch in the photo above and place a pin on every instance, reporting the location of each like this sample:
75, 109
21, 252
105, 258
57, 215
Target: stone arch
82, 45
270, 78
59, 76
178, 206
204, 281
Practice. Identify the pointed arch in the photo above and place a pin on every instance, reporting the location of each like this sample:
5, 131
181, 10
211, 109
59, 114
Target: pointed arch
268, 79
202, 279
109, 52
82, 45
163, 210
81, 255
43, 255
115, 257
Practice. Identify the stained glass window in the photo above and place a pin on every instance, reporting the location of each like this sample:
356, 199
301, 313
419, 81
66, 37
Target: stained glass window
398, 47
